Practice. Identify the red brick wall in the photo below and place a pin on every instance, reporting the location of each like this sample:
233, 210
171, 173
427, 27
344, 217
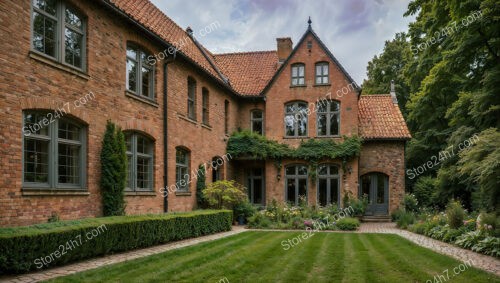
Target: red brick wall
388, 158
27, 83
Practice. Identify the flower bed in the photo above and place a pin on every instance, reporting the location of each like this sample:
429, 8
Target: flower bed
285, 216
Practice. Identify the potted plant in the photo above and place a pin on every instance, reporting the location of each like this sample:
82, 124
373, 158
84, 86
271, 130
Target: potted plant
243, 211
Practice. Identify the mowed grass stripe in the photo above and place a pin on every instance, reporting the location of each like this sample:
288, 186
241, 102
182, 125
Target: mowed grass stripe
143, 266
236, 263
329, 265
259, 257
304, 258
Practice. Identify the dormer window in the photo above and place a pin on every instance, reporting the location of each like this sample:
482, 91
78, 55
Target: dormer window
298, 74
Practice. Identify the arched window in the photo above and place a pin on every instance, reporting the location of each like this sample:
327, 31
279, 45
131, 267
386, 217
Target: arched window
328, 184
140, 74
296, 119
296, 183
140, 162
298, 74
191, 98
322, 72
182, 169
257, 121
328, 117
205, 105
59, 31
217, 168
54, 151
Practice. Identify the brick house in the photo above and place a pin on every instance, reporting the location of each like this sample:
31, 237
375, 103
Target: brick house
178, 104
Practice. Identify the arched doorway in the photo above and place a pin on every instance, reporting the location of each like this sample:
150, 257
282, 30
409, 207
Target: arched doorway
376, 187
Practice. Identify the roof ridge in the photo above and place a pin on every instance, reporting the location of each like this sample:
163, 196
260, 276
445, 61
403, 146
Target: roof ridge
245, 52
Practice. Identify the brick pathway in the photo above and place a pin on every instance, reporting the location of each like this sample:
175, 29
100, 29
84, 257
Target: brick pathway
479, 261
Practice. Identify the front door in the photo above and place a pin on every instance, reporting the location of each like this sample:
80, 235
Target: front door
376, 187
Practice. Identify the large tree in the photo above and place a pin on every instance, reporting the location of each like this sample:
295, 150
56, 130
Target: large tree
389, 66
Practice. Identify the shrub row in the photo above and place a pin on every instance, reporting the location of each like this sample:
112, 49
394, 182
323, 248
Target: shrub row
27, 248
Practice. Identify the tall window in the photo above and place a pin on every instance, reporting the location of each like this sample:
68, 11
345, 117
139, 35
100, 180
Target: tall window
257, 121
322, 73
296, 119
205, 106
328, 184
191, 98
328, 118
58, 31
140, 162
54, 151
298, 74
226, 117
256, 186
182, 169
140, 74
296, 183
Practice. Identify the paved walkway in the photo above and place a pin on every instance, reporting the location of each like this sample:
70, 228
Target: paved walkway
479, 261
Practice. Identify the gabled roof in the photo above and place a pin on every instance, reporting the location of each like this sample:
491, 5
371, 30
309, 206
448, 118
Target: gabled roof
146, 14
248, 72
301, 41
381, 119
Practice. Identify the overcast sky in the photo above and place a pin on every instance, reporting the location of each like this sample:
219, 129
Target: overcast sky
354, 30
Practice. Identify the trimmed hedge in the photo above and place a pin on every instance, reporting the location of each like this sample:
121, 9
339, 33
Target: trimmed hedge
20, 247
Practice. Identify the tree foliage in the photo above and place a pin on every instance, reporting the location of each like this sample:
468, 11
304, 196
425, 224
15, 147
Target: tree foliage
200, 186
113, 171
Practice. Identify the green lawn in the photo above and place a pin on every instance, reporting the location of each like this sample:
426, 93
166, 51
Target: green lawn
260, 257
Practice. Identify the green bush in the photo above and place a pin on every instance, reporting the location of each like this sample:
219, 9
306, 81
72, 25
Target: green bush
410, 203
225, 194
489, 246
348, 224
424, 189
113, 171
21, 247
396, 214
200, 186
246, 209
490, 223
455, 214
470, 239
418, 228
405, 219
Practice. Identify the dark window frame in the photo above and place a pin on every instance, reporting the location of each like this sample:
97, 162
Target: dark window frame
60, 27
53, 146
182, 167
253, 119
133, 156
299, 112
328, 113
205, 105
191, 98
140, 61
297, 79
322, 76
329, 176
296, 177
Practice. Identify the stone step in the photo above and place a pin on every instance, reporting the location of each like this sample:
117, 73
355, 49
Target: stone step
376, 218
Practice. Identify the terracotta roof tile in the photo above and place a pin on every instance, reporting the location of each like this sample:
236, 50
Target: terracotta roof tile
248, 72
380, 118
149, 16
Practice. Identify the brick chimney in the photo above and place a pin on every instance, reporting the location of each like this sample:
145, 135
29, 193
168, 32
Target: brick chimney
393, 93
284, 48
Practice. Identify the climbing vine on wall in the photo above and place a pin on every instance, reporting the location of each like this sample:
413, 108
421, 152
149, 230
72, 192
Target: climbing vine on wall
254, 146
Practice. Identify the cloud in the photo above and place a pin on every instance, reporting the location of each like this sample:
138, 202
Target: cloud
354, 30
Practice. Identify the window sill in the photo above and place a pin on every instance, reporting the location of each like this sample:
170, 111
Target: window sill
297, 86
183, 194
315, 85
143, 100
208, 127
54, 192
328, 137
187, 119
296, 138
139, 193
58, 65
